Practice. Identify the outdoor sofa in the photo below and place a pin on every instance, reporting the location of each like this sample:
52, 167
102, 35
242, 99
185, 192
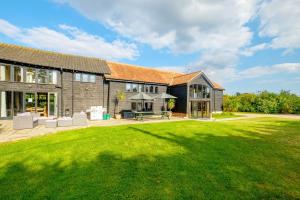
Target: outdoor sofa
25, 120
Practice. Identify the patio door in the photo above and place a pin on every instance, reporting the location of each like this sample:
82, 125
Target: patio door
52, 104
200, 109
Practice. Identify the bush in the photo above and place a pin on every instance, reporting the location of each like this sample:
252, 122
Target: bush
265, 102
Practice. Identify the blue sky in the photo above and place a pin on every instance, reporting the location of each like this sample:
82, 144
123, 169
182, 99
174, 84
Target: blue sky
245, 45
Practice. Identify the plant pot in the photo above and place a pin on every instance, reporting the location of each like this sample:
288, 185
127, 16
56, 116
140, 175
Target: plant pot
118, 116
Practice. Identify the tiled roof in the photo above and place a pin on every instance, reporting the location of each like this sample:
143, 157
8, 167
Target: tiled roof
32, 56
128, 72
121, 71
217, 86
184, 78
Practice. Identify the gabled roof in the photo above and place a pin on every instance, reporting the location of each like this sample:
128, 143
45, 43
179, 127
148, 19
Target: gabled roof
121, 71
126, 72
33, 56
184, 78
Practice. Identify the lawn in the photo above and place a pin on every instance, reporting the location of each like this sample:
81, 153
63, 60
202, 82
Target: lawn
224, 115
242, 159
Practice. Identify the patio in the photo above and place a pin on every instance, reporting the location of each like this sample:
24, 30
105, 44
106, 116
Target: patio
7, 133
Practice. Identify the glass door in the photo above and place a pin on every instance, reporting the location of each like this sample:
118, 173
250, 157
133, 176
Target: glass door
6, 104
52, 102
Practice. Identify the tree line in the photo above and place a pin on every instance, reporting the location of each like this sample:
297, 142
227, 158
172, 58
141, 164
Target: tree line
263, 102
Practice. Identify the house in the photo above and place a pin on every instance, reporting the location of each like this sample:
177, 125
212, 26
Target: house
55, 84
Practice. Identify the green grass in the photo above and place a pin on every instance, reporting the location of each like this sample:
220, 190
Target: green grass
243, 159
225, 115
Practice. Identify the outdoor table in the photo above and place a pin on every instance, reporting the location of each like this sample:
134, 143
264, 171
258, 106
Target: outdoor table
139, 115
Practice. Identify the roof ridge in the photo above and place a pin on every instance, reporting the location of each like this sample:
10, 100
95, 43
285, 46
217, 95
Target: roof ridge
189, 73
49, 51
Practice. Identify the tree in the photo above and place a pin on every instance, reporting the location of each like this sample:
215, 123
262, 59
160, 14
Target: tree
120, 96
171, 104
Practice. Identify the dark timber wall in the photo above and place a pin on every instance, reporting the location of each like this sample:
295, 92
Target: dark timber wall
179, 91
84, 95
115, 86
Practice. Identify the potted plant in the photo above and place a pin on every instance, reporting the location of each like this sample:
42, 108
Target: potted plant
120, 96
171, 105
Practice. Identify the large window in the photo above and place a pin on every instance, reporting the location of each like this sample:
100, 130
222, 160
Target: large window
199, 91
148, 106
128, 87
85, 77
52, 76
6, 104
5, 72
18, 102
77, 77
29, 102
43, 76
30, 75
134, 87
18, 74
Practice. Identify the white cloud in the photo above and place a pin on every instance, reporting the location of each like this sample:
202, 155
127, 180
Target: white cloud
69, 40
182, 27
253, 49
280, 21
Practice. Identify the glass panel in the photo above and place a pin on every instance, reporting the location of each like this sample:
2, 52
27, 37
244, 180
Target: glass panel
5, 72
147, 88
151, 90
52, 76
128, 87
77, 77
141, 88
18, 74
30, 102
134, 87
6, 104
92, 78
18, 102
148, 106
156, 90
42, 104
43, 76
85, 78
52, 104
30, 75
133, 106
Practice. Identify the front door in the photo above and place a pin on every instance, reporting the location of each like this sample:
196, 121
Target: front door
52, 104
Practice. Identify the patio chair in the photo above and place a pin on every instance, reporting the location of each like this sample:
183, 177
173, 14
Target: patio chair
24, 121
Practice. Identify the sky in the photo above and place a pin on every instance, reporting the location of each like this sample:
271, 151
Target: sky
244, 45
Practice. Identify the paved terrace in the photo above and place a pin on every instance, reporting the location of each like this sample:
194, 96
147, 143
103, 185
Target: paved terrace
8, 134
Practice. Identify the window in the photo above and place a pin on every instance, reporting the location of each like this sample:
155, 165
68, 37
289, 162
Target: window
6, 104
151, 89
18, 74
134, 87
18, 102
30, 75
148, 106
77, 77
133, 106
52, 77
199, 91
5, 73
85, 78
43, 76
30, 102
147, 88
156, 90
141, 88
92, 78
128, 87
